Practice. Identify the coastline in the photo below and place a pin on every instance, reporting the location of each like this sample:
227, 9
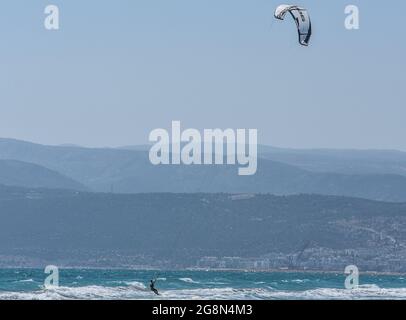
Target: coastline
151, 269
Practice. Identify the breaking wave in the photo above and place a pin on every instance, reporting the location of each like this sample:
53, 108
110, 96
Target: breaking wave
188, 280
26, 280
137, 290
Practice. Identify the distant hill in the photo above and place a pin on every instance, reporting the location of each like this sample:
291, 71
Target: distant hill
340, 161
345, 161
129, 171
182, 230
18, 173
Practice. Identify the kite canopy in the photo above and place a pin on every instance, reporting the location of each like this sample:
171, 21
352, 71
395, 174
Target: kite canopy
302, 19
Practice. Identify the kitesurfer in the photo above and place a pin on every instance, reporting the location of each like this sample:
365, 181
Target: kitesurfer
152, 287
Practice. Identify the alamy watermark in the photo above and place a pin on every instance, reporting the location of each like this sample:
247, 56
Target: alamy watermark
51, 21
51, 281
352, 280
351, 21
211, 147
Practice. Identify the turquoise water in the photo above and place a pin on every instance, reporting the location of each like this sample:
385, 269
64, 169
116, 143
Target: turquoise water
133, 284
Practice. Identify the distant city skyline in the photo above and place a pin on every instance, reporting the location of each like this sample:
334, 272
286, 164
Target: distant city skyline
116, 70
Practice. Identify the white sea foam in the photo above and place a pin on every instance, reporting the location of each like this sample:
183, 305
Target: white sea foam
136, 285
26, 280
300, 280
188, 280
78, 293
139, 291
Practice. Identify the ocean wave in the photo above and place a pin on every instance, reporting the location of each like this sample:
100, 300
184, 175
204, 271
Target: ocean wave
188, 280
78, 293
26, 280
366, 292
138, 291
296, 281
136, 285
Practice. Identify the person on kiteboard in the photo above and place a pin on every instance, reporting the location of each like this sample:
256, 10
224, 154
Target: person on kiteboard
152, 287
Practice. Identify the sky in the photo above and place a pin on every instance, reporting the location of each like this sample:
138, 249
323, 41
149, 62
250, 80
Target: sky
116, 70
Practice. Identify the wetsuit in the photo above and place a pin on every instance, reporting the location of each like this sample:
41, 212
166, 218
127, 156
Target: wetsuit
152, 287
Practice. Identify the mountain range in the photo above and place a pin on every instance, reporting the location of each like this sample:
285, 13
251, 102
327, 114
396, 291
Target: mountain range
370, 174
40, 226
19, 173
109, 207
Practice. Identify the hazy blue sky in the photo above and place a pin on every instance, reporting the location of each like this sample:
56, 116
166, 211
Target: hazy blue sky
118, 69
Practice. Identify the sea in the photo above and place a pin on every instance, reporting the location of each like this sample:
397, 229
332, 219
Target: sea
97, 284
